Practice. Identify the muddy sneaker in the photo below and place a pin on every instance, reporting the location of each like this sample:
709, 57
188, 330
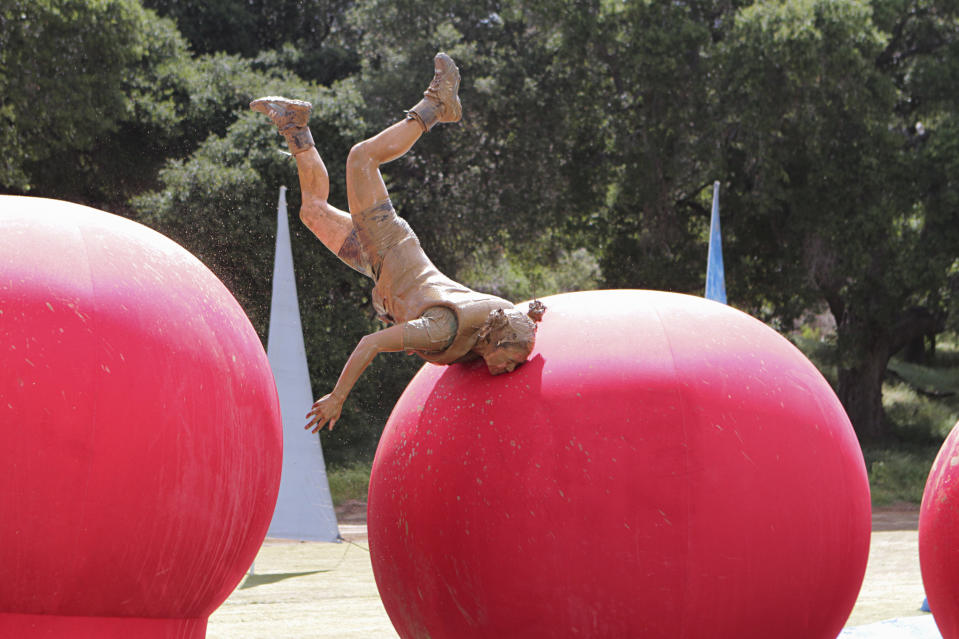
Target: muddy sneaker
284, 113
290, 117
441, 102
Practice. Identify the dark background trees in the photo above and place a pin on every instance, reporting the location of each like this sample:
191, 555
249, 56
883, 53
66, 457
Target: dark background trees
833, 166
593, 130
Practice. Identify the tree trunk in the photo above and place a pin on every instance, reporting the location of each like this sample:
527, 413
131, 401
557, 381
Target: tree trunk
860, 391
917, 327
864, 352
915, 352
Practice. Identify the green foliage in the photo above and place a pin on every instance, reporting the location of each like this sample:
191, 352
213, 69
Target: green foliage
898, 475
497, 272
831, 195
349, 482
251, 27
821, 351
219, 207
915, 416
592, 132
502, 173
922, 401
805, 150
920, 423
643, 113
68, 69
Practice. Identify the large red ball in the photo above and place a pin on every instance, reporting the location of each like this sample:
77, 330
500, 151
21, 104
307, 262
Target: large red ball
142, 440
662, 467
939, 537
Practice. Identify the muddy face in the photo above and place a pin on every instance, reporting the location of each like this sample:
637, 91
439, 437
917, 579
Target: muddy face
504, 359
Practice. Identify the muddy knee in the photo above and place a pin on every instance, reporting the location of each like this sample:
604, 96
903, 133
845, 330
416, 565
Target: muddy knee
360, 157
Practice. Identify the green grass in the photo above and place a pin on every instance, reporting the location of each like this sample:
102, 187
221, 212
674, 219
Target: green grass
921, 414
898, 475
922, 406
349, 482
922, 401
916, 417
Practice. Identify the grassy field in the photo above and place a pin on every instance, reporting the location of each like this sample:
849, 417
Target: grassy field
922, 406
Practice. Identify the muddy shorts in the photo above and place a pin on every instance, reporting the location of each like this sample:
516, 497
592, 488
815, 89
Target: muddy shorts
375, 231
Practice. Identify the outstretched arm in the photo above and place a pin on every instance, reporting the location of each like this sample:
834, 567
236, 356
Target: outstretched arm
328, 408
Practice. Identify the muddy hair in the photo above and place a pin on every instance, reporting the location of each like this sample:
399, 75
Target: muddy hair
513, 327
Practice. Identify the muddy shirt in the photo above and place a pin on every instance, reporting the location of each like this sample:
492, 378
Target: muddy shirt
408, 285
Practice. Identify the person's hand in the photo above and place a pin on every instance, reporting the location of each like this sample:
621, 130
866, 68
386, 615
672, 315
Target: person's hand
325, 409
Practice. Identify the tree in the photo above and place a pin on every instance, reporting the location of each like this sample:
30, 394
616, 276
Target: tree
643, 76
520, 175
318, 29
808, 111
833, 194
72, 74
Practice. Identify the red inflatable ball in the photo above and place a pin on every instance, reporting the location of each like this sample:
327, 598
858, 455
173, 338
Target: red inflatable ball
663, 467
939, 537
142, 439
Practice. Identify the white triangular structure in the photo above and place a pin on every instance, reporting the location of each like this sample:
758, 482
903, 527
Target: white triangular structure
304, 509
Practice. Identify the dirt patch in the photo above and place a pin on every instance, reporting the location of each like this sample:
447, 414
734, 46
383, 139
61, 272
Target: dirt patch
900, 516
352, 511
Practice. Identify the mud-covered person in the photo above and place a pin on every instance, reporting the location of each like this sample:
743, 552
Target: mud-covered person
429, 314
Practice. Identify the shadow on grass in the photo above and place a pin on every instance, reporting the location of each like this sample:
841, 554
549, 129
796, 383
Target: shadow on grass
252, 581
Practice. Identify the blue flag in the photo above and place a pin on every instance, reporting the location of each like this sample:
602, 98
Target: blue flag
715, 276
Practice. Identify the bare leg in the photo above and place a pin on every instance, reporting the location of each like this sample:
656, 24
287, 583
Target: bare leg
333, 227
364, 183
330, 225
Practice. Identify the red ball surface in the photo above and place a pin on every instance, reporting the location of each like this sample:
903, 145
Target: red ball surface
142, 440
662, 467
939, 537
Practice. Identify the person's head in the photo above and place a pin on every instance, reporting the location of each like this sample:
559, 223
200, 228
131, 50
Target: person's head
510, 335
